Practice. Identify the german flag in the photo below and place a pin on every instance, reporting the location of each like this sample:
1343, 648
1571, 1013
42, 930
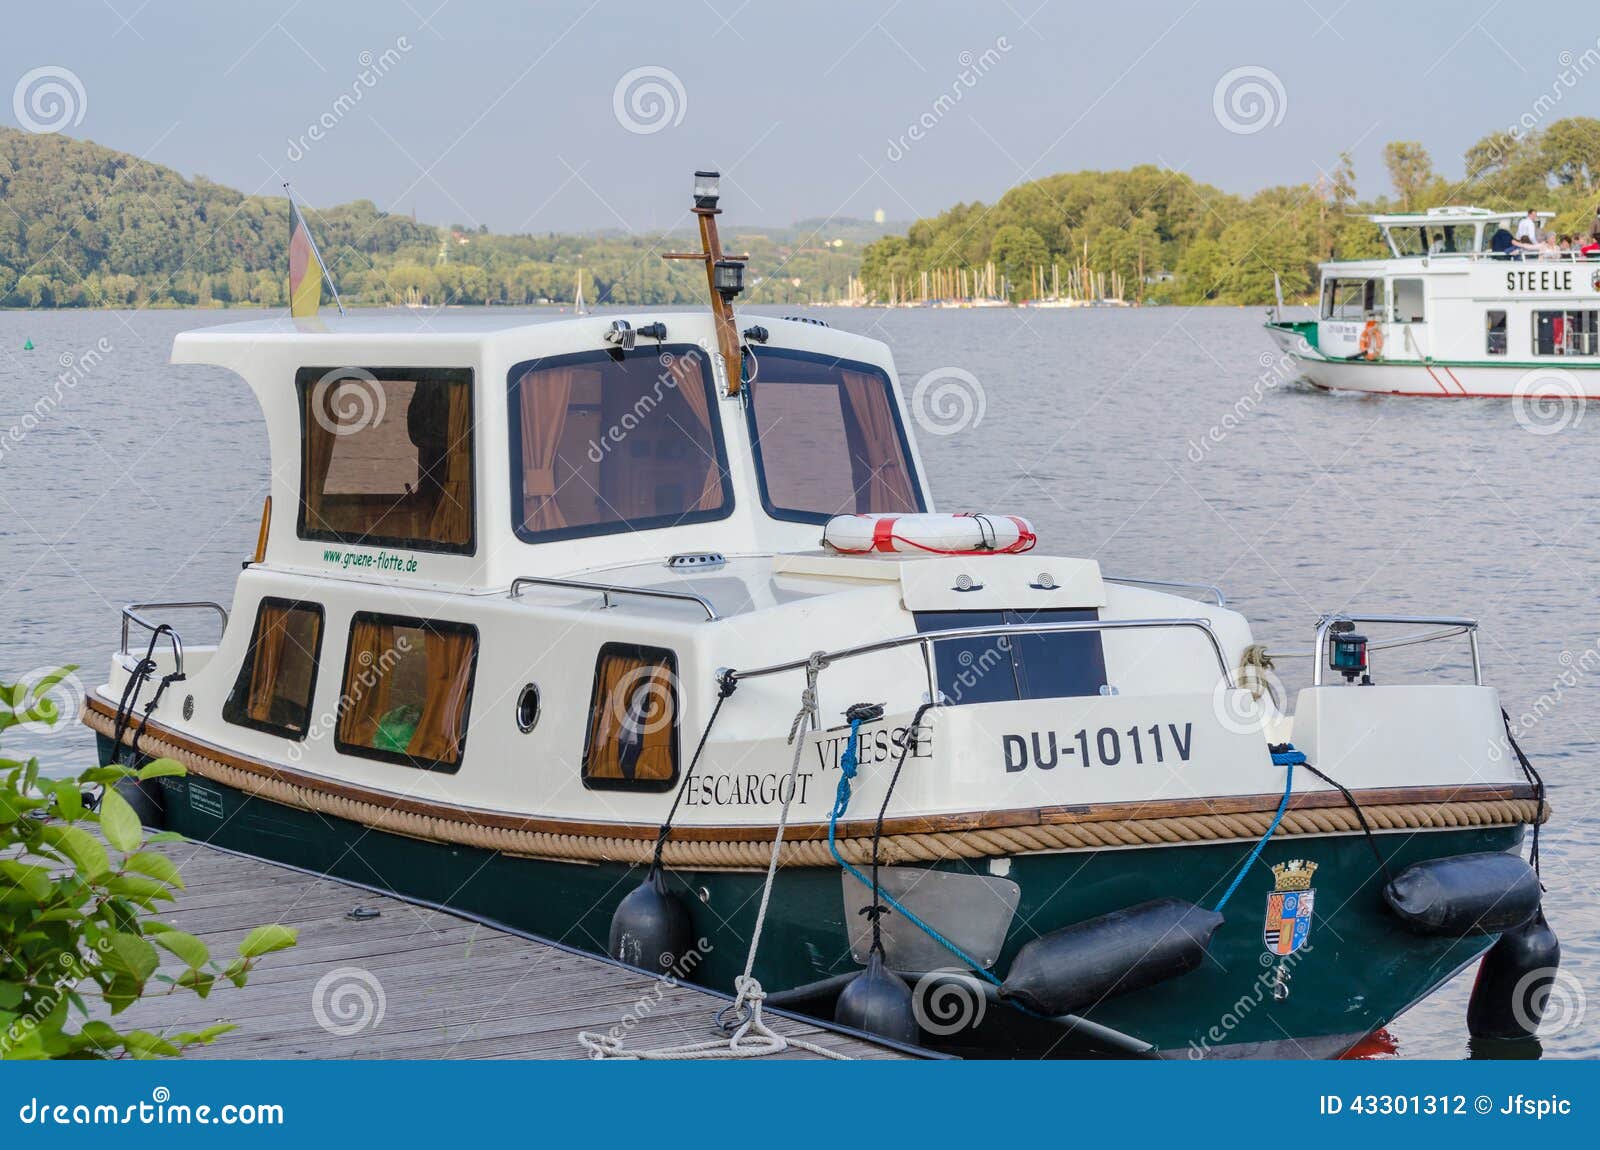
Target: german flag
305, 267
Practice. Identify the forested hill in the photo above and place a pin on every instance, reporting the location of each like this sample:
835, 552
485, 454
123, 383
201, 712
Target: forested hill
85, 226
1167, 238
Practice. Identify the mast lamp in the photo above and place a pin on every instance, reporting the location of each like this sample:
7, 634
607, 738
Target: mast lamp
727, 278
707, 189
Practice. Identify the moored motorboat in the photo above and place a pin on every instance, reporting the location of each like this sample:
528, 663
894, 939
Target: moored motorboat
540, 628
1454, 310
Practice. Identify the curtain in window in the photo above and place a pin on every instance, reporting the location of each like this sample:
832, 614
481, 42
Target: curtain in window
544, 413
888, 487
272, 632
321, 422
688, 381
452, 515
635, 694
366, 681
438, 734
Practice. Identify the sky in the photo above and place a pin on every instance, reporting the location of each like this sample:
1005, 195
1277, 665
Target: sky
593, 114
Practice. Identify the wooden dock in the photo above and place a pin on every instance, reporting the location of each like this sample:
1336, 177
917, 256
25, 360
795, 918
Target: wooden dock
412, 982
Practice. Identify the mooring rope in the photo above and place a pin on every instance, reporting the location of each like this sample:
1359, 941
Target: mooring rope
750, 1035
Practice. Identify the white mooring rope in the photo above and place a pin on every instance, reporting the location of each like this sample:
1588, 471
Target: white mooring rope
752, 1038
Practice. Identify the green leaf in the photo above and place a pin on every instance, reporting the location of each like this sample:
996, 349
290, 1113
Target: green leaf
162, 769
10, 995
138, 888
200, 981
81, 847
266, 939
157, 866
118, 822
133, 955
42, 687
186, 946
69, 800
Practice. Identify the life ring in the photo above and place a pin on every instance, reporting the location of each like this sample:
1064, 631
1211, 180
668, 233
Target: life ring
1371, 344
968, 533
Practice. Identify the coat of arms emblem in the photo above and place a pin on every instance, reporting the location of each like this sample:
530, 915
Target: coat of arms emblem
1289, 906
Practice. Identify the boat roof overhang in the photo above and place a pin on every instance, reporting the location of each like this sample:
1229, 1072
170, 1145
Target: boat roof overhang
1447, 216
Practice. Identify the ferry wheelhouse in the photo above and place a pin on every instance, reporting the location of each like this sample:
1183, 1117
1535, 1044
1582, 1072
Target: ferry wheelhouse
1453, 310
631, 628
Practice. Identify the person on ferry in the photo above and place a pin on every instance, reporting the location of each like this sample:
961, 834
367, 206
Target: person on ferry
1591, 246
1500, 244
1526, 243
1549, 247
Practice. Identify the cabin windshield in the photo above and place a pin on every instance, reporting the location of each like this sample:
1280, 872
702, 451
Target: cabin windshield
604, 442
1434, 239
828, 439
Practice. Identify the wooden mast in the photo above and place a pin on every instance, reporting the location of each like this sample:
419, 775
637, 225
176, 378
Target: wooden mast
711, 254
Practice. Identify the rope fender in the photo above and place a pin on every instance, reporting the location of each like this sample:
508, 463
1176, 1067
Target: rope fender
893, 849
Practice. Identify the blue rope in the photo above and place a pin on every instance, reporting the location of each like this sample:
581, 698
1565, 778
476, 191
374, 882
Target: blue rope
848, 763
1290, 758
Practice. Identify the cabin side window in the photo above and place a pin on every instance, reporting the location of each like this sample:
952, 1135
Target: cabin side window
632, 740
1565, 332
1495, 331
407, 691
1350, 299
279, 675
387, 457
1005, 668
828, 440
1408, 301
607, 442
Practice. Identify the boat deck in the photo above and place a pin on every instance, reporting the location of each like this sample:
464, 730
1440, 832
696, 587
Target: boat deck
412, 982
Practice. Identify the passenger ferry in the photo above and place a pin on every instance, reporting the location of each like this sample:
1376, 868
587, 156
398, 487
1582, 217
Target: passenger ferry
640, 631
1454, 310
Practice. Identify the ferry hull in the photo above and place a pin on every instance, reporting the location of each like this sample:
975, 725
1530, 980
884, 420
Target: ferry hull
1356, 972
1553, 381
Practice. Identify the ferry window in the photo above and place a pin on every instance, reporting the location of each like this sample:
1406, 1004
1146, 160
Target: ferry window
387, 457
407, 691
828, 440
279, 674
1408, 301
1565, 332
1495, 324
632, 741
1351, 299
605, 442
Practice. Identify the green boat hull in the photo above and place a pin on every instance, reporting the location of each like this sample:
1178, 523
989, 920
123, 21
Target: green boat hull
1357, 970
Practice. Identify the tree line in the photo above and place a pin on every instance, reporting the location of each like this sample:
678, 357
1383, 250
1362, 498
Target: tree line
1172, 239
88, 226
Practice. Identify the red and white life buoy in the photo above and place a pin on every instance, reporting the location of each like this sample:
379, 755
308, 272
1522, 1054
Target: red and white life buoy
969, 533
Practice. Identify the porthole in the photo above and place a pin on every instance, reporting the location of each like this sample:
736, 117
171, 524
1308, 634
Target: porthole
528, 708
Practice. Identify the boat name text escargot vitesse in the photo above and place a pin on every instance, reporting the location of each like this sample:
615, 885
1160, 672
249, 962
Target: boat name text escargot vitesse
1106, 747
766, 788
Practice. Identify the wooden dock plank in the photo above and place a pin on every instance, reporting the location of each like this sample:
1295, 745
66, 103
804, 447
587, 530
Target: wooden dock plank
449, 987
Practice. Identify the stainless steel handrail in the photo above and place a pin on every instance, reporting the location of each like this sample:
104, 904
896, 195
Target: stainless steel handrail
1449, 626
926, 639
130, 614
1211, 589
606, 590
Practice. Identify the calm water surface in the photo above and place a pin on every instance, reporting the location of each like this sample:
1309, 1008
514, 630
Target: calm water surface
1161, 442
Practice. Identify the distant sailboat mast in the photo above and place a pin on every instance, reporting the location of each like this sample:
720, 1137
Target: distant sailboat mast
578, 306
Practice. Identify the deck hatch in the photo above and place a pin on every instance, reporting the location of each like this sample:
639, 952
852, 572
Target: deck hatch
1001, 668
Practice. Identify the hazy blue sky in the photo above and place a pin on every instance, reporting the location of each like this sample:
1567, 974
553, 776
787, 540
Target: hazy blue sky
508, 114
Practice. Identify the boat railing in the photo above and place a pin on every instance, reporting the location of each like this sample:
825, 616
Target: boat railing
1442, 627
1209, 589
926, 640
607, 590
133, 613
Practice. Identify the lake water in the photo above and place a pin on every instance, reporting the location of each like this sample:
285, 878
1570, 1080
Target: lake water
1162, 442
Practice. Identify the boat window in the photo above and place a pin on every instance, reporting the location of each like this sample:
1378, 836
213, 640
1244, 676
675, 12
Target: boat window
632, 741
1408, 301
1004, 668
387, 457
1565, 333
1351, 299
407, 691
279, 675
605, 442
1495, 325
828, 439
